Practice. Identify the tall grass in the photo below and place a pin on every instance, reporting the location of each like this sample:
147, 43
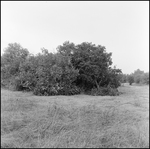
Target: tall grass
58, 126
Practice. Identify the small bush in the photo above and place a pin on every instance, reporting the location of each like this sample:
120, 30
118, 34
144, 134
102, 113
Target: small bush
51, 91
17, 84
12, 83
40, 90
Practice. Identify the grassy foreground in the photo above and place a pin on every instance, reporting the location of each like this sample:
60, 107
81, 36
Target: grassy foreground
76, 121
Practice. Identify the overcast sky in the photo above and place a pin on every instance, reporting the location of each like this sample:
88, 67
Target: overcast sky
122, 27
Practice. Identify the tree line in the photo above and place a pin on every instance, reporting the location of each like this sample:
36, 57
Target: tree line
138, 77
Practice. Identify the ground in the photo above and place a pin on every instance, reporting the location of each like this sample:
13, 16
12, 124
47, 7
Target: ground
76, 121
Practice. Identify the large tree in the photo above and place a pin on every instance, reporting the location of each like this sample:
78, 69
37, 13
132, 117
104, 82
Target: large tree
93, 63
13, 56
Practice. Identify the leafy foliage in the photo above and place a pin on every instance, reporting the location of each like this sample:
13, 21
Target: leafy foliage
73, 68
14, 55
123, 78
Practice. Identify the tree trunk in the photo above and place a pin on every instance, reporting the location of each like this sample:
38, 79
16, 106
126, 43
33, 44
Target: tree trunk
97, 85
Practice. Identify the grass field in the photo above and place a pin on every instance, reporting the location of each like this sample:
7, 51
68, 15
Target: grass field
76, 121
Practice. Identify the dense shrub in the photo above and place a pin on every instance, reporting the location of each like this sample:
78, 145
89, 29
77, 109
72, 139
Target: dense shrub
17, 85
47, 91
73, 90
7, 83
103, 91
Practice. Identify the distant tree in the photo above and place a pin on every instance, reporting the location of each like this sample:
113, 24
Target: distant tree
145, 78
138, 76
130, 79
124, 79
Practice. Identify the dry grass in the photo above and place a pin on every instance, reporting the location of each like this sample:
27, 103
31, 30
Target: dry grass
79, 121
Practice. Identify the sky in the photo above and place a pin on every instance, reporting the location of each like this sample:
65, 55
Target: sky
122, 27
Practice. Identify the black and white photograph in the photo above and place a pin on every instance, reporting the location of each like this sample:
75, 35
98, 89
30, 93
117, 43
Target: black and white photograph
74, 74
